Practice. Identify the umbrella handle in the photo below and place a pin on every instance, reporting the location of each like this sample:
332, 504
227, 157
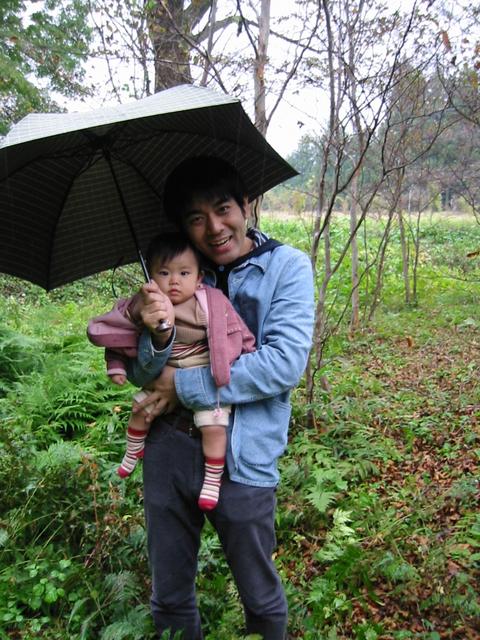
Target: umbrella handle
163, 325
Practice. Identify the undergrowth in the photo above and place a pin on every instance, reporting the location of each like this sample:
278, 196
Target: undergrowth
378, 522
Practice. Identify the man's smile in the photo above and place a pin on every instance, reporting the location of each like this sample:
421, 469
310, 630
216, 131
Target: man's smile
219, 243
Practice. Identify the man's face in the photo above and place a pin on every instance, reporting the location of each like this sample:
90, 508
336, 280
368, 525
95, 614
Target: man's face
179, 277
218, 228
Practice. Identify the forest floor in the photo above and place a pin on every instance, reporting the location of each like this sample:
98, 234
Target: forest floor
427, 494
397, 454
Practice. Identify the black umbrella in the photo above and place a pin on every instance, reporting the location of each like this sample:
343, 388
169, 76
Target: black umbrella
82, 192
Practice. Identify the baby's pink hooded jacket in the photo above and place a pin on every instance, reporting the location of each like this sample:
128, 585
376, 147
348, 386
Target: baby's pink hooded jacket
228, 336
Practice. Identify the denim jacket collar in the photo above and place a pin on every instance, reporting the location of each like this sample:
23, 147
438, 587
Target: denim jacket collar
260, 261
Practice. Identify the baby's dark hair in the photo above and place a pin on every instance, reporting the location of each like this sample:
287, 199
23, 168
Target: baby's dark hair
165, 246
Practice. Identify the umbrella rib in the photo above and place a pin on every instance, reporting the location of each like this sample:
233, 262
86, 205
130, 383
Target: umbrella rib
60, 211
74, 153
89, 164
133, 166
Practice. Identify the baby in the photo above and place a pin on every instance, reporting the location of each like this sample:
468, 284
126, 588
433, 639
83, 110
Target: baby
208, 332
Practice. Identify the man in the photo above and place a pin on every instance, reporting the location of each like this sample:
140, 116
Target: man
271, 287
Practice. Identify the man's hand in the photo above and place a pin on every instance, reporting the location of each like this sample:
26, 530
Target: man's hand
163, 397
156, 307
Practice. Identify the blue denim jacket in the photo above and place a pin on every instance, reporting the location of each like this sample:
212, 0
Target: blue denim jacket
273, 292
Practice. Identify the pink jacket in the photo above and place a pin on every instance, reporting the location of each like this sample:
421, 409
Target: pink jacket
228, 336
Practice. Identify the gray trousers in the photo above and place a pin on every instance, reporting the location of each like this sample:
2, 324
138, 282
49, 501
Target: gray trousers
243, 519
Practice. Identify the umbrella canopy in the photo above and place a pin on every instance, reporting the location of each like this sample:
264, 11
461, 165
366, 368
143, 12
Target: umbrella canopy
82, 192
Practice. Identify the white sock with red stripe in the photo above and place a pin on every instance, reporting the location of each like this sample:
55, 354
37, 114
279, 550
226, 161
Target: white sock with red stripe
211, 484
135, 446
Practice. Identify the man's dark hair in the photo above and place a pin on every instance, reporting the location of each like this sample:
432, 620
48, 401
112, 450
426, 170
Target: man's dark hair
165, 246
203, 177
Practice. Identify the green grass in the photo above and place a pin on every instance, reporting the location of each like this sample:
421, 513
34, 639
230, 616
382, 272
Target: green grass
378, 525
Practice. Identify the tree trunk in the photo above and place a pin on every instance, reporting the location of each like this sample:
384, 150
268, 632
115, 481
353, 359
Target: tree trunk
380, 268
259, 67
259, 85
320, 328
354, 189
405, 257
355, 315
416, 243
171, 50
211, 29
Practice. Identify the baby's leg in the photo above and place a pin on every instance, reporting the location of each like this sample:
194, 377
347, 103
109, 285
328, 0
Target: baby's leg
214, 446
137, 431
214, 441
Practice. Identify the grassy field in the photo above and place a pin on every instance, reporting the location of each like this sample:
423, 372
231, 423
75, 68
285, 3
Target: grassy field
378, 521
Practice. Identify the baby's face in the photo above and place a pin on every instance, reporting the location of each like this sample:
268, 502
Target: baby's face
179, 277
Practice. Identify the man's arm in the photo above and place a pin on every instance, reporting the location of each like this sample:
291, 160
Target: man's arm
150, 361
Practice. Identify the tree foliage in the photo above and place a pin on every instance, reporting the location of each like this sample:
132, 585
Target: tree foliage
42, 46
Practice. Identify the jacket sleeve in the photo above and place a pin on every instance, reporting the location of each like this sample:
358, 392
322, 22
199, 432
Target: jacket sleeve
115, 330
281, 357
149, 361
116, 363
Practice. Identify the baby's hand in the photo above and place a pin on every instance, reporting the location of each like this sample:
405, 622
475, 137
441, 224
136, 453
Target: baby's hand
156, 308
118, 378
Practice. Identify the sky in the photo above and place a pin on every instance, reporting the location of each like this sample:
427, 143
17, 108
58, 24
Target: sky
296, 116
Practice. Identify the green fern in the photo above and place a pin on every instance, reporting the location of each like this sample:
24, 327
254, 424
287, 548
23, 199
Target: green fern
396, 569
121, 591
19, 355
59, 456
70, 395
321, 500
133, 626
327, 480
3, 537
121, 587
339, 538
